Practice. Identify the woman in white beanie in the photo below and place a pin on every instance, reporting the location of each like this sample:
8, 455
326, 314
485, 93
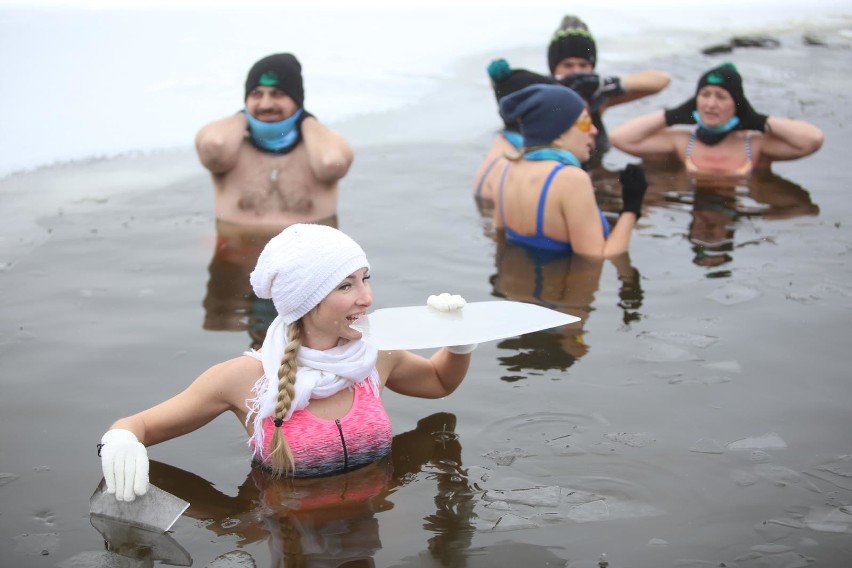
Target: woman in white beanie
310, 398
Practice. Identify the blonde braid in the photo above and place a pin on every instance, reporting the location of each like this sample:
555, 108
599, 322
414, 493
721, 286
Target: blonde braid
291, 542
281, 457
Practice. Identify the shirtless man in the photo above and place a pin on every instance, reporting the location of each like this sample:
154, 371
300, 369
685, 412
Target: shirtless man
273, 163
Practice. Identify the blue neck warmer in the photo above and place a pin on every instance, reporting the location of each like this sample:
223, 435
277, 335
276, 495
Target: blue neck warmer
279, 136
711, 135
514, 138
555, 154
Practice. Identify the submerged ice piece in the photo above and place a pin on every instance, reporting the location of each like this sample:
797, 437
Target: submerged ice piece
157, 510
138, 529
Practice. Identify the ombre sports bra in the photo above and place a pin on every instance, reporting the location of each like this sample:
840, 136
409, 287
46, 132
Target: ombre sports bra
539, 240
327, 447
743, 170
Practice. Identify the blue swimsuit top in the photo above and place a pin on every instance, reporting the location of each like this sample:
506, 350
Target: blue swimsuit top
539, 240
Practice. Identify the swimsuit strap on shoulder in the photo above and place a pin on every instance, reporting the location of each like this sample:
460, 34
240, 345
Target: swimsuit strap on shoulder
485, 175
690, 144
748, 146
539, 222
500, 192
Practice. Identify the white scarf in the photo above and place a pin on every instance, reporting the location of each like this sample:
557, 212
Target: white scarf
320, 374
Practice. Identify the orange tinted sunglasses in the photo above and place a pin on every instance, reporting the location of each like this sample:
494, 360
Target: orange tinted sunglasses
584, 123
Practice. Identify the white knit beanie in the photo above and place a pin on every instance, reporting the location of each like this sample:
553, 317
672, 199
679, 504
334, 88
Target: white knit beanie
301, 265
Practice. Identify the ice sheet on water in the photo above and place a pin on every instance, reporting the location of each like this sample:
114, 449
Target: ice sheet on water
838, 472
99, 559
550, 496
7, 478
233, 559
732, 294
769, 441
656, 351
829, 519
711, 380
506, 457
528, 506
632, 439
743, 478
729, 366
783, 476
787, 559
842, 467
684, 338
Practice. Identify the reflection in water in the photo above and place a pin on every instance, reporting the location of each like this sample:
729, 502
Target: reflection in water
332, 521
564, 283
230, 303
718, 207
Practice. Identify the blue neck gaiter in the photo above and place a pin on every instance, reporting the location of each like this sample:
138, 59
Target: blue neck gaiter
278, 136
711, 135
514, 138
555, 154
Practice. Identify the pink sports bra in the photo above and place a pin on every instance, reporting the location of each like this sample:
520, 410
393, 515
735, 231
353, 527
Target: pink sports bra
328, 447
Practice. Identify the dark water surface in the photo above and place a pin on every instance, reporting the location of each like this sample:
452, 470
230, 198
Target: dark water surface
698, 416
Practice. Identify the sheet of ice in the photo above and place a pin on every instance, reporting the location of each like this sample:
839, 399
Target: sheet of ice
769, 441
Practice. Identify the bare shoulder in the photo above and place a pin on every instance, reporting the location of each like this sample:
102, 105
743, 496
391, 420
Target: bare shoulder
678, 138
386, 362
573, 180
236, 376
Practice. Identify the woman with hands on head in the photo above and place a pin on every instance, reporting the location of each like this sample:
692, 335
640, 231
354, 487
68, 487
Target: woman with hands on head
731, 138
310, 399
545, 200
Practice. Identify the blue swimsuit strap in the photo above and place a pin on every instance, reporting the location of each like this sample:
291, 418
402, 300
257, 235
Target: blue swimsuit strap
539, 222
485, 175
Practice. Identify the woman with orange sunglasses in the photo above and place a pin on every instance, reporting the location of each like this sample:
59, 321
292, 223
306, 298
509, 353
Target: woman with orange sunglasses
545, 200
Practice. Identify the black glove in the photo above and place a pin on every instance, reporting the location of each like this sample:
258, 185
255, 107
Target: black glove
681, 114
633, 186
585, 84
750, 119
610, 87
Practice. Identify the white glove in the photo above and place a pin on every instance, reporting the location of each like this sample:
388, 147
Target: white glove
125, 464
462, 349
447, 303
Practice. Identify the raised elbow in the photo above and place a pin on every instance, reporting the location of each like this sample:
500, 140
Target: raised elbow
814, 141
332, 166
214, 152
619, 138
